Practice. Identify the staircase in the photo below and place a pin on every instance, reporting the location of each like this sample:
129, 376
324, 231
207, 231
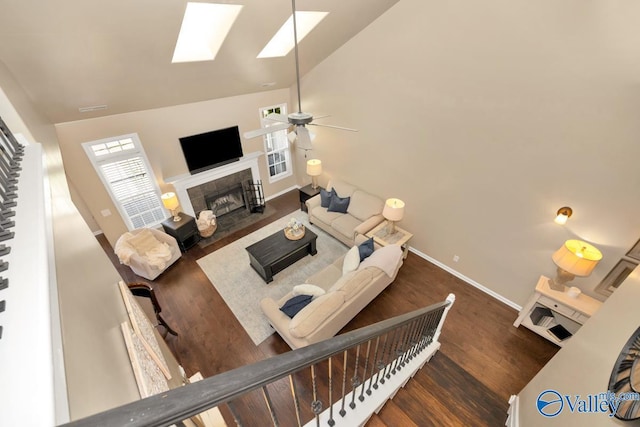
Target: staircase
342, 381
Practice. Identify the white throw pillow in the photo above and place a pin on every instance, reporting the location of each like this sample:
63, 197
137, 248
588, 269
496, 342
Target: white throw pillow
351, 260
307, 289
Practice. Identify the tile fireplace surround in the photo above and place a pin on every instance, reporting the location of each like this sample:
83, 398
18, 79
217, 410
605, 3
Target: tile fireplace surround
184, 182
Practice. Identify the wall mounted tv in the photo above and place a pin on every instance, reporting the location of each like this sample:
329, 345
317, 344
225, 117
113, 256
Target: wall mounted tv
211, 149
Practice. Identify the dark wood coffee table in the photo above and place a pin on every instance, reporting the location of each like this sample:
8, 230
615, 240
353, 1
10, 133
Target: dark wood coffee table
275, 253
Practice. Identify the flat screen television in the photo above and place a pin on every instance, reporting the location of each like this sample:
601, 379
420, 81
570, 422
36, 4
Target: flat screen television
211, 149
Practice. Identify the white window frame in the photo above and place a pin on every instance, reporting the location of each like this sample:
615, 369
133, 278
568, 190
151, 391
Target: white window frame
276, 139
123, 150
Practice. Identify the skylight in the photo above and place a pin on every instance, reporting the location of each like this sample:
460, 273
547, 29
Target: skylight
204, 28
282, 43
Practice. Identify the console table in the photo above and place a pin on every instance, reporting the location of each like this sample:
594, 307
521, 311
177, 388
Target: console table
569, 312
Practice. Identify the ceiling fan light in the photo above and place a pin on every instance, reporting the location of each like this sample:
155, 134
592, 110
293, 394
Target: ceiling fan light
303, 141
291, 136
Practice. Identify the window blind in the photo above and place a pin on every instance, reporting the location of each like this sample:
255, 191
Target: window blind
132, 187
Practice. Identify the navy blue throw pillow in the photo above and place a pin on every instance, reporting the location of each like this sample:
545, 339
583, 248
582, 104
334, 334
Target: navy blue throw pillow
295, 304
338, 204
365, 248
325, 197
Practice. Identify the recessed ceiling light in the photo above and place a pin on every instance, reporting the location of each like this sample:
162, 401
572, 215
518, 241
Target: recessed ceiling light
204, 28
282, 42
268, 84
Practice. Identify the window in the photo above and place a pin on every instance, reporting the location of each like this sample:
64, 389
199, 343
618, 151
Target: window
122, 165
276, 145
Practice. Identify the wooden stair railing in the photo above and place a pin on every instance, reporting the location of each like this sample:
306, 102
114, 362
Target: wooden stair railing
342, 381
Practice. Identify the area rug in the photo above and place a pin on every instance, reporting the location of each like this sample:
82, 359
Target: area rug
242, 289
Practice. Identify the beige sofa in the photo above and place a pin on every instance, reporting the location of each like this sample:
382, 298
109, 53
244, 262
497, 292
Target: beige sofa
346, 295
363, 213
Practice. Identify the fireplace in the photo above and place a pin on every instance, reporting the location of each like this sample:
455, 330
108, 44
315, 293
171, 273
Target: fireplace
228, 189
226, 201
193, 189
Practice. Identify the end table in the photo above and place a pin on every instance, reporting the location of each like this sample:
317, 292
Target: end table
382, 237
184, 231
306, 193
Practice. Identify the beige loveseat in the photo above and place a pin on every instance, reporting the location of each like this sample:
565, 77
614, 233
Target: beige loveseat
346, 294
363, 213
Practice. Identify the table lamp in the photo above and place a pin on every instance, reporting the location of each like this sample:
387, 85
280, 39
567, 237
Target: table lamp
170, 201
314, 169
574, 258
393, 212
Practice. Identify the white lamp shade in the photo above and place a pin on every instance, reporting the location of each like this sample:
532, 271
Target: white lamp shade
393, 209
577, 257
314, 167
170, 200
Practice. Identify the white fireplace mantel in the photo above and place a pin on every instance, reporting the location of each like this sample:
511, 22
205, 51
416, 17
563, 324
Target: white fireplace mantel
183, 182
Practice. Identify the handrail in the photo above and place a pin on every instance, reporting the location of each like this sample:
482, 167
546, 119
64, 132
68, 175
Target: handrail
183, 402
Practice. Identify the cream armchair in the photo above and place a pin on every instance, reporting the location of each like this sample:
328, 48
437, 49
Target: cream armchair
147, 251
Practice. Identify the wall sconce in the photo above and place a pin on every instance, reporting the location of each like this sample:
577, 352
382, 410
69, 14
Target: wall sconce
574, 258
314, 169
563, 215
170, 201
393, 211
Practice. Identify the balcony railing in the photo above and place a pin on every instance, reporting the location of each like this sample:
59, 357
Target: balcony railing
28, 336
340, 381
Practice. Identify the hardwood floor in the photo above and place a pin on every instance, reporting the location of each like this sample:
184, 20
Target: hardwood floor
483, 359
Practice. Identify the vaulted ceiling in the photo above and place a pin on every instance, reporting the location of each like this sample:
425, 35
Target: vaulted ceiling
70, 54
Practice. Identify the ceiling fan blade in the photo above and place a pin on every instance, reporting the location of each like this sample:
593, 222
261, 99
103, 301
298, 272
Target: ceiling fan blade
263, 131
277, 118
304, 139
334, 127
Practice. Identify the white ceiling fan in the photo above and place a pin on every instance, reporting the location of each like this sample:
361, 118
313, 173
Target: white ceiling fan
298, 120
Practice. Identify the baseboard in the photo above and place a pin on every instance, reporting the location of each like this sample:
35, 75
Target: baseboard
466, 279
280, 193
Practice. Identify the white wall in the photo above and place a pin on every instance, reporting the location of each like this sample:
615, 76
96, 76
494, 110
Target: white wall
487, 117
